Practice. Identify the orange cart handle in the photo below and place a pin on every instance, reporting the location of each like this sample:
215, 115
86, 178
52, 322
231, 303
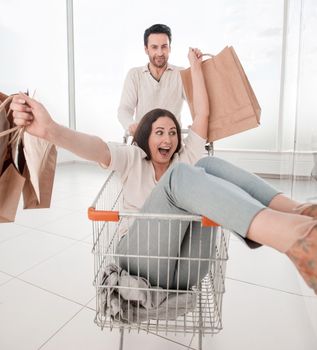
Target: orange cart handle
102, 215
205, 222
108, 215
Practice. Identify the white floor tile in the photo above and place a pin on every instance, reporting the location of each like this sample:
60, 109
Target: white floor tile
63, 191
29, 249
4, 278
35, 218
10, 230
262, 319
69, 273
89, 239
75, 225
311, 310
80, 176
29, 315
265, 267
78, 201
81, 334
92, 304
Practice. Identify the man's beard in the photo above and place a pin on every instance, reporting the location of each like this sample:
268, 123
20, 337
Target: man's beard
159, 63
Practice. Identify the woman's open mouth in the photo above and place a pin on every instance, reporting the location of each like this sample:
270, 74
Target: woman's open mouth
164, 151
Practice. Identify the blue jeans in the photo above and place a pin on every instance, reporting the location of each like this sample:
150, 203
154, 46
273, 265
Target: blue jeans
214, 188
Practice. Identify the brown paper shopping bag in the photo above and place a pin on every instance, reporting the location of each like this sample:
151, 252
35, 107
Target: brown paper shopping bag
11, 185
11, 179
4, 126
28, 166
40, 158
233, 105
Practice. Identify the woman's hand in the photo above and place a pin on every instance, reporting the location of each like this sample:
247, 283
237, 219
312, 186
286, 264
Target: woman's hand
194, 57
32, 115
200, 97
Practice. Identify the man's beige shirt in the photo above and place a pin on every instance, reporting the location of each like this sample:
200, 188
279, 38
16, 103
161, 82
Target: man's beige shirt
141, 93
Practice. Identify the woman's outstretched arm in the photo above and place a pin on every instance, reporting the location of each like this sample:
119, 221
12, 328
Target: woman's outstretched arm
32, 115
200, 97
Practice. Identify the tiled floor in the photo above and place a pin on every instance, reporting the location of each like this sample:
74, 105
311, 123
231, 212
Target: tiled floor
46, 292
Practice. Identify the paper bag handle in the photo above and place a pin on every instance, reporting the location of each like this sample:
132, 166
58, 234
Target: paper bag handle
16, 129
208, 55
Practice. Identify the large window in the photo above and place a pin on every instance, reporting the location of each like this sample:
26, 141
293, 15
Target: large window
34, 52
109, 41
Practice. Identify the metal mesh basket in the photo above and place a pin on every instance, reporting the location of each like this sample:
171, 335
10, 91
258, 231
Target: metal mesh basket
139, 304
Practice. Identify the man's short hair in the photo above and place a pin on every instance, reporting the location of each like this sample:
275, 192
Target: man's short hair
157, 29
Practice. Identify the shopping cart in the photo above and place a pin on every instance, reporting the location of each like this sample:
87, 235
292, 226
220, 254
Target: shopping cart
135, 304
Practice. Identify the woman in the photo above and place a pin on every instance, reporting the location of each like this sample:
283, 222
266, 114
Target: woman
158, 176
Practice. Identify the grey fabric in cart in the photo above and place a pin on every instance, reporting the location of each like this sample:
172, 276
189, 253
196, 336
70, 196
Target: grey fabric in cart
131, 299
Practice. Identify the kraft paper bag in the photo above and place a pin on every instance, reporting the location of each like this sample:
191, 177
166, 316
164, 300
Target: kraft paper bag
11, 180
233, 105
40, 158
27, 165
11, 185
5, 126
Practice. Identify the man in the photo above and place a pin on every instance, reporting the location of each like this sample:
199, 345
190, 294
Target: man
155, 85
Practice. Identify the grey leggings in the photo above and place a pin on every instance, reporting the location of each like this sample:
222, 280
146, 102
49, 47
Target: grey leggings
213, 188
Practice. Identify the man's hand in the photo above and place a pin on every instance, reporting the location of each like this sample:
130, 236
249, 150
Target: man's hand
132, 128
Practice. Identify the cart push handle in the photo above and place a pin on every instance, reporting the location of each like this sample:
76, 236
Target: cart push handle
114, 216
103, 215
205, 222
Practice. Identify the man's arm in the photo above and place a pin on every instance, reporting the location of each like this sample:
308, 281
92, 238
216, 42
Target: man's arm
128, 101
